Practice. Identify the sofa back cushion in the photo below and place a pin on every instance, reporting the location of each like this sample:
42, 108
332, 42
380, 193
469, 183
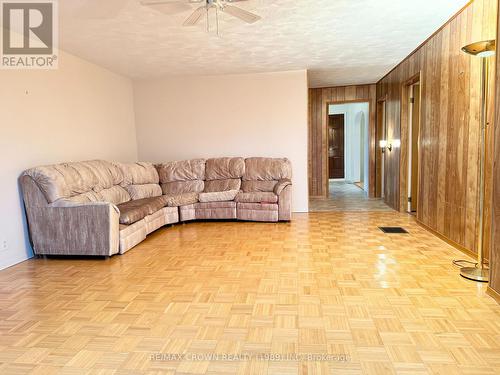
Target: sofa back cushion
224, 174
140, 180
181, 177
262, 174
108, 174
79, 181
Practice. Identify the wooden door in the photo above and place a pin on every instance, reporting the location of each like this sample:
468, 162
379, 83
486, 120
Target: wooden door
336, 146
415, 132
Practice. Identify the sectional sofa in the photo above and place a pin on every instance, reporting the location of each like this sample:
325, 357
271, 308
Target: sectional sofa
104, 208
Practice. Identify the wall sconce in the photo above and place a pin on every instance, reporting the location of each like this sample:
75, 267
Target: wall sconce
383, 144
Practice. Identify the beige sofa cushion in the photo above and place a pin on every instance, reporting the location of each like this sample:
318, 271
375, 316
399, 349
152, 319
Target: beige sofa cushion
182, 187
222, 185
281, 185
63, 180
140, 173
223, 174
67, 180
88, 197
220, 196
257, 197
181, 199
108, 174
267, 169
224, 168
135, 210
186, 170
115, 195
144, 191
251, 186
181, 177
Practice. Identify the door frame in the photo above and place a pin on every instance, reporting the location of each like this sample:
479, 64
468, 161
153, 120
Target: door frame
372, 129
381, 133
411, 142
405, 137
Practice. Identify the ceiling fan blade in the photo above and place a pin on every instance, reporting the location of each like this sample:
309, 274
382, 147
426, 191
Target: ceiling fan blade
242, 14
195, 17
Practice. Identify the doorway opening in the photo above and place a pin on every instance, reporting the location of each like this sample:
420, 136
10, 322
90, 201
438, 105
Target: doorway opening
348, 160
348, 149
413, 146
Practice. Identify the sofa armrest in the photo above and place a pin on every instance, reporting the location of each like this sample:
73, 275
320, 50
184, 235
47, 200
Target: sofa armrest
285, 203
281, 185
75, 229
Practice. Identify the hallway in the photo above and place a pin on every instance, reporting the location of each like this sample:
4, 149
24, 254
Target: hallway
347, 197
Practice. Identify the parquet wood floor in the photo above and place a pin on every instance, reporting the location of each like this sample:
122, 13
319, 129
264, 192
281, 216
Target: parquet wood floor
345, 196
328, 283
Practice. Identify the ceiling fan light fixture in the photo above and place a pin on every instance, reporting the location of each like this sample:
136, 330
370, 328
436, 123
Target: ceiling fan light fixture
485, 48
219, 5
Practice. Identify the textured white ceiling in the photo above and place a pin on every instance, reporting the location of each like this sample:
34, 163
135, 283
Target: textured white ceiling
340, 42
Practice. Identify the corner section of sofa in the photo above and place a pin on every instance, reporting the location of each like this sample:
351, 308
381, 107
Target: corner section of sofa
73, 229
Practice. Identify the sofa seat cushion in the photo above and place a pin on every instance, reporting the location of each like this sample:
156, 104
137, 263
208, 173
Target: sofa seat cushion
181, 199
219, 196
257, 197
133, 211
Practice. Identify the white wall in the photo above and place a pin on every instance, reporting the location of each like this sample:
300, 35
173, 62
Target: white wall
78, 112
232, 115
356, 152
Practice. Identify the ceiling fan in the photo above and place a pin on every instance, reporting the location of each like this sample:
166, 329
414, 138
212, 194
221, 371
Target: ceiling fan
224, 6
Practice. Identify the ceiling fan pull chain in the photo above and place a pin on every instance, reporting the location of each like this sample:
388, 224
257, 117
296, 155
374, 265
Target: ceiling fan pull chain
217, 19
208, 22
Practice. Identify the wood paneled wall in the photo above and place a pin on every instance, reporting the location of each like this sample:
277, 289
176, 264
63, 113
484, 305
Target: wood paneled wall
450, 126
319, 99
495, 238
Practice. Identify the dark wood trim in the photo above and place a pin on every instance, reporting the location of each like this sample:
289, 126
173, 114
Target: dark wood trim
404, 137
345, 86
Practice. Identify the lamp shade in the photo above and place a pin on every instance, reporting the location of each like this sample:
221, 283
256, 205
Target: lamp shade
484, 48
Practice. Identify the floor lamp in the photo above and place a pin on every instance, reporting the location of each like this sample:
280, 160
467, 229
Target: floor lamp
483, 50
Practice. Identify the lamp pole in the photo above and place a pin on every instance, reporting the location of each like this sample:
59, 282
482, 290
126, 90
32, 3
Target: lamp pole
483, 50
